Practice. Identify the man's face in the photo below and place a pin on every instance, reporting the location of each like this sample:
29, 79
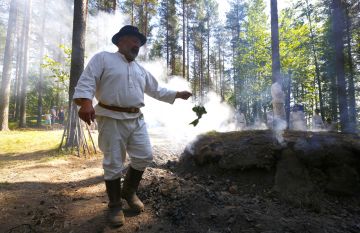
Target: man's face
129, 46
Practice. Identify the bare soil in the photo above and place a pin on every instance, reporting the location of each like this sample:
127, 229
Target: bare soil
186, 192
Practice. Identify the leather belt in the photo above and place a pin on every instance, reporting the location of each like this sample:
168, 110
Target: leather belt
120, 109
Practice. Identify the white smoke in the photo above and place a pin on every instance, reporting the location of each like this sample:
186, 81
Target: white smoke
278, 101
297, 119
174, 120
100, 29
277, 94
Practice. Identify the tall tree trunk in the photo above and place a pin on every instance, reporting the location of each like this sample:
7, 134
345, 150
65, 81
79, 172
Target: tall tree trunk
40, 82
317, 69
18, 72
277, 92
236, 54
201, 88
19, 68
275, 58
167, 38
351, 90
187, 46
338, 35
141, 17
216, 73
234, 74
183, 46
288, 96
77, 66
114, 6
25, 74
173, 57
6, 72
333, 98
14, 91
208, 56
146, 15
223, 77
146, 30
132, 12
220, 79
194, 74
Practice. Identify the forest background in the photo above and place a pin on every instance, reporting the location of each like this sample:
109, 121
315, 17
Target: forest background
319, 44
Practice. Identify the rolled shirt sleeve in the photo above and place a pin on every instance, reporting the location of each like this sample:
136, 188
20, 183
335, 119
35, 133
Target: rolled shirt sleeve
90, 77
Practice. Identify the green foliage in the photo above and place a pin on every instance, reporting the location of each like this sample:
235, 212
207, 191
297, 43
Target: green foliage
238, 54
59, 71
141, 13
156, 50
95, 6
54, 86
199, 110
252, 54
170, 29
296, 55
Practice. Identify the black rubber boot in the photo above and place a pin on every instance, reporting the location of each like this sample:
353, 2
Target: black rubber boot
130, 186
115, 215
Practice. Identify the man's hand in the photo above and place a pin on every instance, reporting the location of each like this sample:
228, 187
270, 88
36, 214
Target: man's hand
86, 111
183, 95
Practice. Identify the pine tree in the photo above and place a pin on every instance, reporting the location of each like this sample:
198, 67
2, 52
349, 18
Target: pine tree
6, 72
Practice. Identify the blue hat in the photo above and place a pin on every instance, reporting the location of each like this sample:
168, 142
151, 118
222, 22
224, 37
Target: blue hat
131, 31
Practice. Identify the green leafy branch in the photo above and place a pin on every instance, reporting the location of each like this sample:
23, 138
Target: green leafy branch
59, 71
199, 110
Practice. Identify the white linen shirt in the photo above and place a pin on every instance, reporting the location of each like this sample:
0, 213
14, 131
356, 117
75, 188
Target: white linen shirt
115, 81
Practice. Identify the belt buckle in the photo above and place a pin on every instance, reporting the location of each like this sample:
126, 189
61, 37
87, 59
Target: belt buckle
132, 110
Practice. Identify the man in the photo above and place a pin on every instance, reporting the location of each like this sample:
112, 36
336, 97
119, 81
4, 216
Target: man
61, 116
119, 83
53, 115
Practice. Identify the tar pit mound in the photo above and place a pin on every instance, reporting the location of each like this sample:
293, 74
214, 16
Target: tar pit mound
303, 165
249, 182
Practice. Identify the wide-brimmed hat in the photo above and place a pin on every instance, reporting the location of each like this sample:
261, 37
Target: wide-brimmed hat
131, 31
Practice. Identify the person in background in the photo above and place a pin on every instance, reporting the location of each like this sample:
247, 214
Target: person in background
54, 116
119, 84
317, 122
47, 118
61, 116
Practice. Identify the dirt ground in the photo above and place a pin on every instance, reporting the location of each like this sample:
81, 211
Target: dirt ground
67, 194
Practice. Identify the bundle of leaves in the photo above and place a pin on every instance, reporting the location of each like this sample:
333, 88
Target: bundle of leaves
199, 110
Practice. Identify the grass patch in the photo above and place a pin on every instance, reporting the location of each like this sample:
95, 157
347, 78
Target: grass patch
28, 141
54, 156
30, 122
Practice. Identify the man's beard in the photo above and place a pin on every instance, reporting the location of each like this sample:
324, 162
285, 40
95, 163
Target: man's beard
129, 53
133, 53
